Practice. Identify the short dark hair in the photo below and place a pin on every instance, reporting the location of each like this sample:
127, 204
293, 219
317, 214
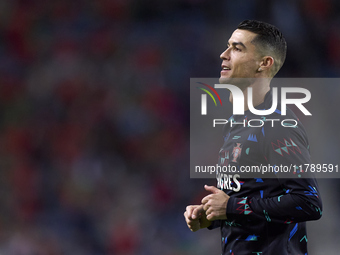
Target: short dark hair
269, 39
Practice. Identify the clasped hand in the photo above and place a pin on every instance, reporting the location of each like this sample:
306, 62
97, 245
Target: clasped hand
213, 207
215, 204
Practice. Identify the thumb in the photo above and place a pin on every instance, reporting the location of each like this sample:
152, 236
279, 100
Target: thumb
211, 189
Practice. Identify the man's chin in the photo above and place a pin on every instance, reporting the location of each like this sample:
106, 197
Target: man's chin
242, 83
225, 80
232, 80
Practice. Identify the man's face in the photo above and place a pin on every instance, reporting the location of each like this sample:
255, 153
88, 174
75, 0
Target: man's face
241, 58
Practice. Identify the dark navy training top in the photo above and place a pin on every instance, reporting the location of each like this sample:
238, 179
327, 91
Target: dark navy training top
266, 213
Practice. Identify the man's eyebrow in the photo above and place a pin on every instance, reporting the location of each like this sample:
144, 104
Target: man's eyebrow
237, 43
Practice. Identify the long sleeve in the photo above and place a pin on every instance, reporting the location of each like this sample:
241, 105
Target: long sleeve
271, 195
299, 200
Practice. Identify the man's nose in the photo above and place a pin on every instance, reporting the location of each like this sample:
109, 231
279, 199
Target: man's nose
225, 55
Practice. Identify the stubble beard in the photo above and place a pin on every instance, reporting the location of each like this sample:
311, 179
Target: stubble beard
241, 83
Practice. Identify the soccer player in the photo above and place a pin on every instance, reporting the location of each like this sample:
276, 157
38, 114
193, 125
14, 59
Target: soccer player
259, 215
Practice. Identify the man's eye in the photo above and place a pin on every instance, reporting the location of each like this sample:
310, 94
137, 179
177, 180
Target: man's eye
237, 49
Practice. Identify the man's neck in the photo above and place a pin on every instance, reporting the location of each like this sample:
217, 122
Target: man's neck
260, 88
259, 92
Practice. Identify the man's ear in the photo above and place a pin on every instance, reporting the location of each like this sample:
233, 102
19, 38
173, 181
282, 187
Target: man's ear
266, 63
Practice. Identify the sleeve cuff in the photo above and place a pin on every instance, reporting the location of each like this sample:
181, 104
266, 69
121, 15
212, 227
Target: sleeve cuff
214, 224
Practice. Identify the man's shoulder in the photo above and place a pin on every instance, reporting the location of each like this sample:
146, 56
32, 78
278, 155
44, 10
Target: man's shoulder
283, 128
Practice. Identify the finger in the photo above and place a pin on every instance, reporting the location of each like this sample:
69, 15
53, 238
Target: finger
206, 207
191, 222
197, 212
186, 216
211, 216
206, 199
211, 189
194, 225
188, 219
189, 210
209, 211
